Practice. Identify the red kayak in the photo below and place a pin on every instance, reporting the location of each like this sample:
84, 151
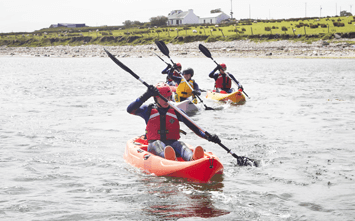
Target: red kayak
201, 170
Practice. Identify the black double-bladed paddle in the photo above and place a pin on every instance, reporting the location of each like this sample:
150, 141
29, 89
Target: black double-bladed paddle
242, 161
161, 59
207, 53
164, 49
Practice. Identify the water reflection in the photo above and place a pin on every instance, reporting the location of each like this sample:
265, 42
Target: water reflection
175, 198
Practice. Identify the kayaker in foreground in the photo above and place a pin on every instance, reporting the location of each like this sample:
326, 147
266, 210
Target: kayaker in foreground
184, 91
222, 81
163, 127
170, 81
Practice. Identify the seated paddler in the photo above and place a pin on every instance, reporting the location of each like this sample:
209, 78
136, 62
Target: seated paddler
175, 70
163, 125
186, 85
223, 79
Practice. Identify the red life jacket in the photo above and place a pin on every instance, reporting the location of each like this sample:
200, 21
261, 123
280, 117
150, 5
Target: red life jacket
163, 127
223, 82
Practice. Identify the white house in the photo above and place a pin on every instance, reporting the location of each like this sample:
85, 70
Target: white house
178, 17
213, 18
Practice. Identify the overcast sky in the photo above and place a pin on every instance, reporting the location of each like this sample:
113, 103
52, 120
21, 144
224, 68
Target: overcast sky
31, 15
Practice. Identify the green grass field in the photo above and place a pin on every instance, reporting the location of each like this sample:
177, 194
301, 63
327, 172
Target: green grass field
301, 29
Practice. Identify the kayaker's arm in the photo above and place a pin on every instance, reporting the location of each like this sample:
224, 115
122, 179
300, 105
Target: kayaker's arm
135, 107
137, 103
166, 70
196, 90
212, 74
141, 111
174, 78
235, 80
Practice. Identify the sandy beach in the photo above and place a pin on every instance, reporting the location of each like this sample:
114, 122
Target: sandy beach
243, 48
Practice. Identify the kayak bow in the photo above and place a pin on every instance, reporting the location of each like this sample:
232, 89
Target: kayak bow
201, 170
236, 97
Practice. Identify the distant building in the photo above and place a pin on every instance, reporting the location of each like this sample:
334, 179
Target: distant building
178, 17
213, 18
67, 25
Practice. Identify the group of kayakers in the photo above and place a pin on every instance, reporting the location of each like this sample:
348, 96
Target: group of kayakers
162, 121
186, 86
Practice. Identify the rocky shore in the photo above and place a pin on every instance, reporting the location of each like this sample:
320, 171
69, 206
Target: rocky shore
242, 48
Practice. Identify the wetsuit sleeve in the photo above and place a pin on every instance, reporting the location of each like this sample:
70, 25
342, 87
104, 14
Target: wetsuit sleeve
197, 88
174, 78
136, 107
212, 74
166, 70
142, 111
233, 78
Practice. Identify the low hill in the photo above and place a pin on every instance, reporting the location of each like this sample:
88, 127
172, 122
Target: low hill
305, 29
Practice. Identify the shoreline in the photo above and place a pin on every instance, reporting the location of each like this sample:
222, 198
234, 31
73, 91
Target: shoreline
239, 49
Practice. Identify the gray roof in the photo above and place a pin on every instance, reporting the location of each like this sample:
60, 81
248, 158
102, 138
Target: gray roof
178, 15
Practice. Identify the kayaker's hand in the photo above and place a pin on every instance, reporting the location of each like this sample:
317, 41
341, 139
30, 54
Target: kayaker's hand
217, 68
213, 138
240, 88
166, 70
152, 91
176, 67
195, 92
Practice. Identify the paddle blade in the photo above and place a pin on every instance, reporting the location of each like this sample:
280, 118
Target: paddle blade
124, 67
245, 161
208, 108
205, 51
241, 161
162, 47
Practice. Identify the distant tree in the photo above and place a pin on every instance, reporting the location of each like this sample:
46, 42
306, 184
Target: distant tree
158, 21
137, 23
216, 10
127, 23
345, 13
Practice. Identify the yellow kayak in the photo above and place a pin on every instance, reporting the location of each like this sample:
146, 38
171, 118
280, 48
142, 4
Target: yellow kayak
236, 97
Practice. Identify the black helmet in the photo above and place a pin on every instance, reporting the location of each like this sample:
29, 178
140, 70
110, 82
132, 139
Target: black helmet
189, 71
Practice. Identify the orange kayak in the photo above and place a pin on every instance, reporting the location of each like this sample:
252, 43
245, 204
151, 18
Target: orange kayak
201, 170
236, 97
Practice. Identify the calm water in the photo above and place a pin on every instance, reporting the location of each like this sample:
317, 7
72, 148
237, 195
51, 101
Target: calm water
64, 127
